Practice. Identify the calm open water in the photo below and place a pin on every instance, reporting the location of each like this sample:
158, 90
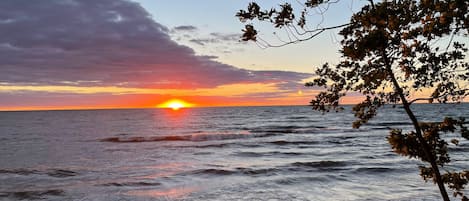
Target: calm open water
233, 153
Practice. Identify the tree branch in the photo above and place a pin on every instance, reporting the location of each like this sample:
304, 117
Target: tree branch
418, 129
433, 98
372, 3
317, 32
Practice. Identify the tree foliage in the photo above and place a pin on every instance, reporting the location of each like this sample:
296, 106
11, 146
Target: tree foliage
390, 50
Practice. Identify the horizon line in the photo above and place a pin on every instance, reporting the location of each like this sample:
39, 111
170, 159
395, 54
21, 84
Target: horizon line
193, 107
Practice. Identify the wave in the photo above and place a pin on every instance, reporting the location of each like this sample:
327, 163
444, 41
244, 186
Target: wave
264, 154
217, 145
284, 142
288, 129
276, 129
32, 195
344, 139
62, 173
299, 117
193, 137
201, 136
58, 173
236, 171
463, 148
374, 170
320, 164
131, 184
298, 180
388, 124
212, 171
19, 171
296, 166
222, 145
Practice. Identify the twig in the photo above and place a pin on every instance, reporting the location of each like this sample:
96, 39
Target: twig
450, 40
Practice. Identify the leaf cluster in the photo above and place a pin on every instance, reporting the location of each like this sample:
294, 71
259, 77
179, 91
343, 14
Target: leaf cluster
407, 144
280, 17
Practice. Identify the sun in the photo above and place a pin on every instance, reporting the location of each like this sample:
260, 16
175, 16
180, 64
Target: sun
175, 104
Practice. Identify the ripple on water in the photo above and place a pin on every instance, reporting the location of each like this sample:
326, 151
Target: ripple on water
192, 137
58, 173
32, 195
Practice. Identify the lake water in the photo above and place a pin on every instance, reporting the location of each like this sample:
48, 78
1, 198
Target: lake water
232, 153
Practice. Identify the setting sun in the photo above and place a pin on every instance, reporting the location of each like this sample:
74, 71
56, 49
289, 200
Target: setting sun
175, 104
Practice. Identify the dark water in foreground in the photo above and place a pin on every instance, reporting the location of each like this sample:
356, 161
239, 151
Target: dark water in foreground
238, 153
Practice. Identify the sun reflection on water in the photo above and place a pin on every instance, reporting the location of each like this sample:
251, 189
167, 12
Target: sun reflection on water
171, 193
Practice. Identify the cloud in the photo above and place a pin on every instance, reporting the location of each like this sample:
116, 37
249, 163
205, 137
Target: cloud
188, 28
225, 90
216, 38
107, 43
233, 37
204, 41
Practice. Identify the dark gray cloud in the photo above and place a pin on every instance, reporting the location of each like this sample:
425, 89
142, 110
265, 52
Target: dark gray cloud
105, 42
185, 28
203, 41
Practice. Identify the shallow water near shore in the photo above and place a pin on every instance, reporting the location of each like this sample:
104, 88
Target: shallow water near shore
232, 153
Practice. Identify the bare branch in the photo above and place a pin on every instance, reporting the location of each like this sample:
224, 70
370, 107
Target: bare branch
314, 33
433, 98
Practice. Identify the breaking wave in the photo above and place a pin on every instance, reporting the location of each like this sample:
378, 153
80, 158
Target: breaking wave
193, 137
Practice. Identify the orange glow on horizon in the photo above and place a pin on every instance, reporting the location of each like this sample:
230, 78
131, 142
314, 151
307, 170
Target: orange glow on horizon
175, 104
144, 101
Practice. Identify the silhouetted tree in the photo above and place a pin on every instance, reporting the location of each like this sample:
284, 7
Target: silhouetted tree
389, 49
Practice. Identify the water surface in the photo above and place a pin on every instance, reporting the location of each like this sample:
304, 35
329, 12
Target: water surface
233, 153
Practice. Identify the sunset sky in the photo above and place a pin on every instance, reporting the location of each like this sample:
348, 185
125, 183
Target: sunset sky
66, 54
